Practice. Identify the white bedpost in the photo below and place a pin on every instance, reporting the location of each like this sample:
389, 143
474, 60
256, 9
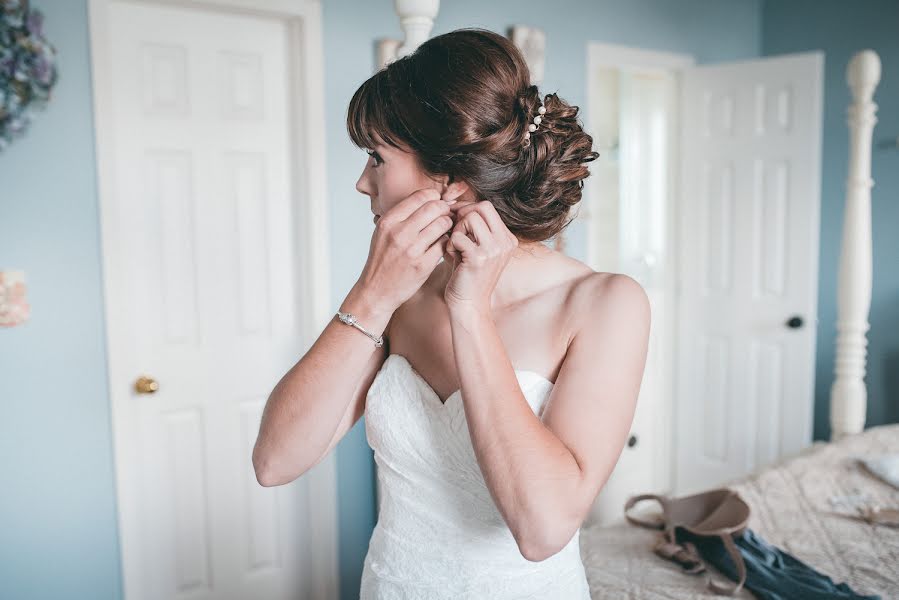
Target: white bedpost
848, 395
417, 20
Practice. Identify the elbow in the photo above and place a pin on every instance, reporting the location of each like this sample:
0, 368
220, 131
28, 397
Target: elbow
537, 550
550, 530
265, 474
265, 479
538, 547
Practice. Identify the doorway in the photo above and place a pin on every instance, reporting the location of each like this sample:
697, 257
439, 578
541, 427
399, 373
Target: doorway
707, 192
633, 118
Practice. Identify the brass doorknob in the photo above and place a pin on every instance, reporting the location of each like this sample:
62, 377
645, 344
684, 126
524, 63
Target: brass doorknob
146, 385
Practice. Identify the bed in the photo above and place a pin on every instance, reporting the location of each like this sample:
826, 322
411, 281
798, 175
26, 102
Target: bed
799, 503
792, 509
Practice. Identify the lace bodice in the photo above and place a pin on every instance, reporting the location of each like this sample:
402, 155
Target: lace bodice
439, 533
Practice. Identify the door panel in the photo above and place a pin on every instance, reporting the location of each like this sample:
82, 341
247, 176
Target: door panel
202, 205
748, 265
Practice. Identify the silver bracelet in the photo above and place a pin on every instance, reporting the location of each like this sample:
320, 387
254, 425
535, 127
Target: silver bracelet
350, 319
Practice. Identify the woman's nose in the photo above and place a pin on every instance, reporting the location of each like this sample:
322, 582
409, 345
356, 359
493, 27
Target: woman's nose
363, 185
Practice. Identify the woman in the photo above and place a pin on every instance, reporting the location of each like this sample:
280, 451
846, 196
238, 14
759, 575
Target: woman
498, 377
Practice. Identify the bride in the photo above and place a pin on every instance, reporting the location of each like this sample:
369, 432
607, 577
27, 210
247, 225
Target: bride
498, 377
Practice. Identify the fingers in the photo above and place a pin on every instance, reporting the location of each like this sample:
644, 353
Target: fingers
478, 227
414, 213
435, 251
459, 209
449, 249
491, 217
424, 215
462, 242
432, 232
486, 210
411, 203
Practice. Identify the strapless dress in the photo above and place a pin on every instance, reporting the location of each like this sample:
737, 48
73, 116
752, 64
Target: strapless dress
439, 534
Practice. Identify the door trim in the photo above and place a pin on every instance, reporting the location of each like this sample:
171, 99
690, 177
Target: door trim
620, 57
311, 253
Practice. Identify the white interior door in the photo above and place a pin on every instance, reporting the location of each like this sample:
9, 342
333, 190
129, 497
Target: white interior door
748, 271
200, 228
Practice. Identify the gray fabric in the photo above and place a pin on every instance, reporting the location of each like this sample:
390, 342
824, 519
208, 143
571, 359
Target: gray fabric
771, 573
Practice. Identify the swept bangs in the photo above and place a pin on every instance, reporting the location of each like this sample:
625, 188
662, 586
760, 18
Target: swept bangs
371, 110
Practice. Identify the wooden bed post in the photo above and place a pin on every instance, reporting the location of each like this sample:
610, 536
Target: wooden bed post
848, 395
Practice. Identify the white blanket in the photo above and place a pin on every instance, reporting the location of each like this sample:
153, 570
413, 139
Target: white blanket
792, 508
886, 467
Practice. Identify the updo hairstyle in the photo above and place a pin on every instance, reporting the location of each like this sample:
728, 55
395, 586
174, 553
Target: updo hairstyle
462, 103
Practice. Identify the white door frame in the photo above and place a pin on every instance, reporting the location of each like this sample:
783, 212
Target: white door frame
310, 209
615, 55
618, 56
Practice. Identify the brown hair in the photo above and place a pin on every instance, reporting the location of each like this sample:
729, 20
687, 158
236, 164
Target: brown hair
462, 102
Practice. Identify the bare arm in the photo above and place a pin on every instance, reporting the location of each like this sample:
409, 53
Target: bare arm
545, 473
321, 397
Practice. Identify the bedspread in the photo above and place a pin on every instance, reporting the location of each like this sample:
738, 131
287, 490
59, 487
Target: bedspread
791, 509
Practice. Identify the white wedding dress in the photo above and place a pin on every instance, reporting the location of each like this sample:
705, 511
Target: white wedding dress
439, 534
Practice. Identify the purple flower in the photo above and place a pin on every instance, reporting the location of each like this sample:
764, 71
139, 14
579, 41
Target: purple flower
27, 67
36, 23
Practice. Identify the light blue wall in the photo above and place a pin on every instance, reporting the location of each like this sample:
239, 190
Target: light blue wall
58, 534
840, 29
711, 30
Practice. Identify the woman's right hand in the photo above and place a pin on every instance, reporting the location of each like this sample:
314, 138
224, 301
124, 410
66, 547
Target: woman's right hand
407, 245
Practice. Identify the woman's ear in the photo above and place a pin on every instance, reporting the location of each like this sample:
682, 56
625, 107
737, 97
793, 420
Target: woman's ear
454, 189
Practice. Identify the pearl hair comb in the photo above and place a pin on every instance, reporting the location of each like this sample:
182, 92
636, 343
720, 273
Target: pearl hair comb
533, 126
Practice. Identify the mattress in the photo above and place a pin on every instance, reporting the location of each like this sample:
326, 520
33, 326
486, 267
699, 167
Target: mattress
796, 505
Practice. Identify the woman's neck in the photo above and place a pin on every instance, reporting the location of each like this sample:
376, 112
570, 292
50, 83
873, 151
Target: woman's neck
518, 281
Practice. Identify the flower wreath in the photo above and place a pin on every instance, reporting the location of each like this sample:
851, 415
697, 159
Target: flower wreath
27, 68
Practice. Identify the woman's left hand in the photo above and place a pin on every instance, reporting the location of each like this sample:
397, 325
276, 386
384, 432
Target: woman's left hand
479, 247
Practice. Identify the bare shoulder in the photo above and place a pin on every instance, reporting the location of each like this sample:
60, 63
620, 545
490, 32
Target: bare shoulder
606, 297
613, 287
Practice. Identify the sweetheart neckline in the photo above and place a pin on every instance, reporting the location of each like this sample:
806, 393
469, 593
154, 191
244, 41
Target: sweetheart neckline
443, 403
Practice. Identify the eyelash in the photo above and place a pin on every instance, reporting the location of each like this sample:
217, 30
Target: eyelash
378, 160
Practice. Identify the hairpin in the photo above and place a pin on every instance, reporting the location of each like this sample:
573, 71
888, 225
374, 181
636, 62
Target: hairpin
537, 120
